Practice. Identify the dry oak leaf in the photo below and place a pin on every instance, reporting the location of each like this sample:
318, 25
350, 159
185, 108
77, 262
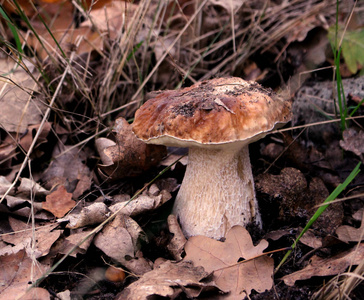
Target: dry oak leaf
347, 233
69, 169
177, 243
59, 202
327, 266
129, 156
73, 239
169, 279
29, 187
18, 108
17, 269
120, 241
24, 207
95, 213
45, 237
353, 141
226, 261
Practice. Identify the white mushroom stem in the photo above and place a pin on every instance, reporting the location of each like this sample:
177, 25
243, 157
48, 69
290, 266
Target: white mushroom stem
217, 192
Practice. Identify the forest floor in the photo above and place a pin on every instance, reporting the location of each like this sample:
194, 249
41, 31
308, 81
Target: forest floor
85, 206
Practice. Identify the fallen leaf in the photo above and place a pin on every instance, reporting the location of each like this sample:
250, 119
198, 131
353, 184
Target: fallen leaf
309, 239
111, 17
101, 144
272, 150
115, 274
5, 185
29, 187
237, 265
28, 8
27, 139
65, 295
44, 237
95, 213
177, 243
12, 141
169, 280
130, 156
277, 234
23, 207
327, 266
352, 47
172, 158
73, 239
230, 6
69, 169
118, 241
141, 204
358, 215
353, 141
220, 103
59, 202
348, 233
18, 108
17, 271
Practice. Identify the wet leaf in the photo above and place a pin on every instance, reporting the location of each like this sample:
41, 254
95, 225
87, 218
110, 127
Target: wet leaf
237, 264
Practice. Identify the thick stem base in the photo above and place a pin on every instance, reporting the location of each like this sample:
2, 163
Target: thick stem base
217, 193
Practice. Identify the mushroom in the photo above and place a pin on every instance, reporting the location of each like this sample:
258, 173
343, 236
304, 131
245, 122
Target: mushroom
216, 119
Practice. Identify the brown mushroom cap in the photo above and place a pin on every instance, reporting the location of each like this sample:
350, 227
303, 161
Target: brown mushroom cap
213, 112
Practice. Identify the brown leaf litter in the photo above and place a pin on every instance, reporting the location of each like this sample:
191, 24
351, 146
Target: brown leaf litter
59, 202
334, 265
120, 240
237, 265
45, 237
128, 156
169, 279
18, 271
348, 233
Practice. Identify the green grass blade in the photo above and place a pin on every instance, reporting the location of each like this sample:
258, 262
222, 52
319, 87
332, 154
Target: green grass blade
357, 107
340, 91
13, 30
321, 209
